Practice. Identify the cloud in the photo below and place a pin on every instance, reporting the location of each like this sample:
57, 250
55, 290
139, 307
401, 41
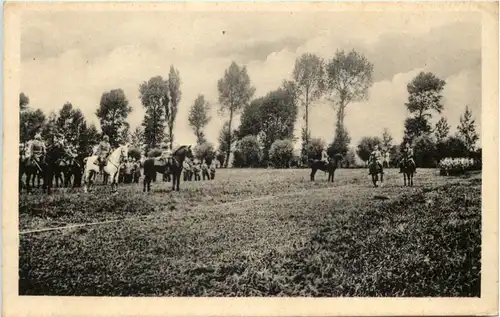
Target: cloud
76, 56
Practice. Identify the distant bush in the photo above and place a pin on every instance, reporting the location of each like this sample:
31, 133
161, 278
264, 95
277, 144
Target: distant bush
457, 166
248, 152
134, 153
281, 153
205, 151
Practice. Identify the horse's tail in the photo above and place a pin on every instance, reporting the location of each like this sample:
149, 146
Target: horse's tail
149, 167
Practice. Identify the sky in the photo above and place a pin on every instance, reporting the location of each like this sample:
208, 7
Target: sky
76, 56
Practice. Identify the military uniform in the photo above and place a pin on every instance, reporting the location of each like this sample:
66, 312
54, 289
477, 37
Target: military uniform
324, 156
102, 153
407, 155
376, 156
166, 154
37, 150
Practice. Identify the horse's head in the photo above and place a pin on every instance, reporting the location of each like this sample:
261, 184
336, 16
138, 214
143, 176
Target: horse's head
123, 151
184, 151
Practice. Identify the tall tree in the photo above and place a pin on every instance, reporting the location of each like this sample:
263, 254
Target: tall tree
308, 75
365, 147
386, 140
137, 137
174, 89
467, 130
71, 122
340, 144
314, 148
199, 118
49, 129
442, 129
30, 122
278, 113
112, 113
88, 139
154, 96
235, 91
424, 98
250, 118
24, 101
349, 77
226, 139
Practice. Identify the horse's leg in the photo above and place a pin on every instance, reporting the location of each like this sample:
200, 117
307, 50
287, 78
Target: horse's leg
174, 177
178, 180
28, 179
313, 172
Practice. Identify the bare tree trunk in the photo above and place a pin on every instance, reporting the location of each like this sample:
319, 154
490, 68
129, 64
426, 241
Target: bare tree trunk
228, 153
307, 118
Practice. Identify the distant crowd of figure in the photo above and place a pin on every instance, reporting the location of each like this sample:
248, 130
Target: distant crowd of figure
70, 164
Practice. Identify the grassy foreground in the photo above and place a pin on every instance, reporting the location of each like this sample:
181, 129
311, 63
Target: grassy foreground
259, 233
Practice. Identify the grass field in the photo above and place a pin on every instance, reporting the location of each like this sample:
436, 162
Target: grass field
257, 232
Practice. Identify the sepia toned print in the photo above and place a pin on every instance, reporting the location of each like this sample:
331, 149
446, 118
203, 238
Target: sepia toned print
326, 152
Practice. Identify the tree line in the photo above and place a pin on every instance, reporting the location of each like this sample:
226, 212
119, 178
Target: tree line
266, 130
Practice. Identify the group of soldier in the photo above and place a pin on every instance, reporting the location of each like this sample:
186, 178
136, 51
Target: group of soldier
36, 150
376, 156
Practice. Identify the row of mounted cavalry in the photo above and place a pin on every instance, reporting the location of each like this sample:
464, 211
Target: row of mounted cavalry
59, 167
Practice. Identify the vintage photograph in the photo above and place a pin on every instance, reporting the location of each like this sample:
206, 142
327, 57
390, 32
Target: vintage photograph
250, 153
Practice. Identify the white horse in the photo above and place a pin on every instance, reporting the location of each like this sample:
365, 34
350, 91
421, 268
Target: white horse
111, 168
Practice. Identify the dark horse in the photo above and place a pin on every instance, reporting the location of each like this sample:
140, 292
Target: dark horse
329, 167
375, 169
175, 169
408, 171
46, 167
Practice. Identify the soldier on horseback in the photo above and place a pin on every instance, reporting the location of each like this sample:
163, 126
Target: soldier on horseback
324, 156
376, 157
166, 154
103, 151
407, 157
37, 150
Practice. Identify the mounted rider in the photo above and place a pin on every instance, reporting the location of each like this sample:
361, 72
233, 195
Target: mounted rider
407, 157
376, 157
103, 150
37, 150
166, 153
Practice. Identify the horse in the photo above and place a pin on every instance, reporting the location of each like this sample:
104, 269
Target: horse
329, 167
111, 168
408, 171
152, 166
33, 170
64, 167
175, 167
375, 169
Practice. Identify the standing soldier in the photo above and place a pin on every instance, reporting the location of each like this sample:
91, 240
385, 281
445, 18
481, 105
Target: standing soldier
37, 150
102, 153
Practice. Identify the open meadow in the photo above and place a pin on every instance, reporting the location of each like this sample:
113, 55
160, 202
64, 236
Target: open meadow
257, 232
